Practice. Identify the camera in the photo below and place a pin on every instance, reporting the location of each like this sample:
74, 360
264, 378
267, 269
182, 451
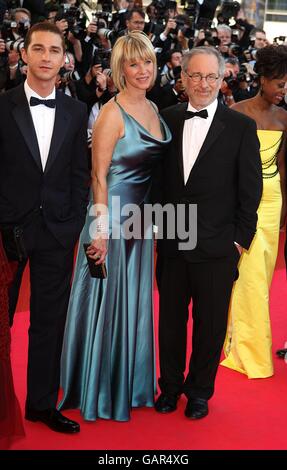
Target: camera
243, 75
107, 33
235, 49
280, 39
185, 25
75, 19
161, 9
6, 29
67, 76
101, 57
16, 45
229, 9
191, 7
23, 27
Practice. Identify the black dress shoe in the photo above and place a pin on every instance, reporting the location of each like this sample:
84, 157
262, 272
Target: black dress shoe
196, 408
281, 352
166, 403
54, 420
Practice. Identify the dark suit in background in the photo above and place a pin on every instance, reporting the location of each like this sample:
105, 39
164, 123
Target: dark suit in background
51, 206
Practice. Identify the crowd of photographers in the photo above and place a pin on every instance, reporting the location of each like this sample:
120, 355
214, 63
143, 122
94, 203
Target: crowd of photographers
90, 35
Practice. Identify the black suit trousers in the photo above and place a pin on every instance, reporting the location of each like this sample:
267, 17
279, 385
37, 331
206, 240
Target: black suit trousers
209, 286
50, 277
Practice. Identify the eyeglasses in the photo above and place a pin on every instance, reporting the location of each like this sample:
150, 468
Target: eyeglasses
196, 77
138, 23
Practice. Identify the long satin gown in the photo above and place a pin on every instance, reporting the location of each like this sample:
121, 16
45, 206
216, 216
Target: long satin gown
108, 353
249, 340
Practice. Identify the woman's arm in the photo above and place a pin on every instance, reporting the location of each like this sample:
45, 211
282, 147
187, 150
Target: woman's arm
108, 129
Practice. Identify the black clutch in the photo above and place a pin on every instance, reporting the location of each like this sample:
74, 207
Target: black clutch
13, 242
96, 270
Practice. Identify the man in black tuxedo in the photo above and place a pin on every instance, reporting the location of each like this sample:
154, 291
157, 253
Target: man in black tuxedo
44, 181
213, 161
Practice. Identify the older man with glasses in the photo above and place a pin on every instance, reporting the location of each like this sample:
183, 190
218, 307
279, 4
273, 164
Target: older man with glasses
213, 162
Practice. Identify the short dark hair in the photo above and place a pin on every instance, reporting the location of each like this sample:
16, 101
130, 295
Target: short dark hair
271, 61
257, 30
134, 10
45, 26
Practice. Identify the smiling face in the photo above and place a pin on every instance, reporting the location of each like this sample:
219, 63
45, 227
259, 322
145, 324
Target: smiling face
138, 73
203, 93
44, 57
274, 89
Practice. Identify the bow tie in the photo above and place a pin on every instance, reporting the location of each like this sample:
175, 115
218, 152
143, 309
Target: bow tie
190, 114
35, 101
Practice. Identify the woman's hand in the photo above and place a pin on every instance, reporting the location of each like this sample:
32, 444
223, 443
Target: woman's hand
98, 249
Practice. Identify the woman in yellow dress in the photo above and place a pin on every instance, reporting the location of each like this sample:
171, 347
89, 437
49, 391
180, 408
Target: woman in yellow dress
248, 342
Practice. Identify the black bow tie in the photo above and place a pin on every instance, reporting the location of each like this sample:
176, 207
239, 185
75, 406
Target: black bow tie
190, 114
35, 101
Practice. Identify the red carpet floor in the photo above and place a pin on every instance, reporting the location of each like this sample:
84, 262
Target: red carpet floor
244, 414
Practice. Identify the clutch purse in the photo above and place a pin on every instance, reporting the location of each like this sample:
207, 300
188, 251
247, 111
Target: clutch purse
13, 242
96, 270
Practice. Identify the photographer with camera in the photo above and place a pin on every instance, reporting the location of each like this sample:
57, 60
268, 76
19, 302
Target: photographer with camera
119, 17
228, 84
233, 30
173, 94
178, 34
67, 77
171, 68
22, 19
224, 33
13, 33
99, 38
168, 88
71, 25
239, 82
93, 86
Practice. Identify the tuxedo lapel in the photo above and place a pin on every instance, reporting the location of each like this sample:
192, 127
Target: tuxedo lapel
61, 127
23, 118
215, 130
178, 135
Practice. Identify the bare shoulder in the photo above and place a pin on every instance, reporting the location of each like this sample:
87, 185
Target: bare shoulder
241, 107
110, 111
110, 119
282, 116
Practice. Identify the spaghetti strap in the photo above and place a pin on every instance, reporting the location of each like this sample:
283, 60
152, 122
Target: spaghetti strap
153, 106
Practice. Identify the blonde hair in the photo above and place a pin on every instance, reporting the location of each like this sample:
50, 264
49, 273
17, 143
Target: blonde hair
134, 45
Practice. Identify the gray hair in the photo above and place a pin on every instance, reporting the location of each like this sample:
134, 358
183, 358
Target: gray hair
225, 28
204, 50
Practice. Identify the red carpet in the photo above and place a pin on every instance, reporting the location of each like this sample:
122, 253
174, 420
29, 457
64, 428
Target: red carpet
244, 414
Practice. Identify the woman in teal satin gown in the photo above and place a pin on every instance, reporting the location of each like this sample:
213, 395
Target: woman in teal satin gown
108, 354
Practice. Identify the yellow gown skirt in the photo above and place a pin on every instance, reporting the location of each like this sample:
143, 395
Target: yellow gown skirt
248, 341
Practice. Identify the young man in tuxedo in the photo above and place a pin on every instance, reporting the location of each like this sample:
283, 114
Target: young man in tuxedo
44, 181
213, 162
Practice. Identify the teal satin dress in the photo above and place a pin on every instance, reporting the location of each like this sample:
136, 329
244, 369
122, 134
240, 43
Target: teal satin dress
108, 358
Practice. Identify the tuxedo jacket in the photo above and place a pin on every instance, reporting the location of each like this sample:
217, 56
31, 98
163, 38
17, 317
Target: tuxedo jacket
225, 183
60, 191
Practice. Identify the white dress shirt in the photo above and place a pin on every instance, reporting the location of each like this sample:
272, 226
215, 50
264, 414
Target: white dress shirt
194, 133
43, 120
